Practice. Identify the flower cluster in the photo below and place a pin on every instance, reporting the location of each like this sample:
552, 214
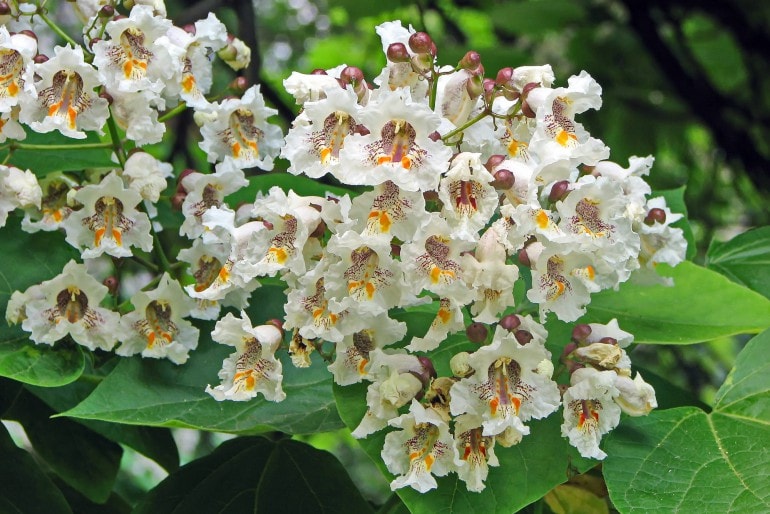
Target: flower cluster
468, 186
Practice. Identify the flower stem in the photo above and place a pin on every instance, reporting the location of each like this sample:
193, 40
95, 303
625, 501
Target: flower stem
57, 148
56, 28
173, 112
116, 146
449, 135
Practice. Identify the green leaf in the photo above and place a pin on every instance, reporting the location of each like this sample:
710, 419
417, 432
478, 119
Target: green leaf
686, 460
527, 471
744, 259
701, 306
300, 184
65, 446
28, 260
66, 157
254, 474
153, 442
158, 393
24, 487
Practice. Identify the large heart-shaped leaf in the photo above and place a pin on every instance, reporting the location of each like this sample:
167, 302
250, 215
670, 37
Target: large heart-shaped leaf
254, 474
744, 259
159, 393
28, 260
701, 306
24, 487
687, 460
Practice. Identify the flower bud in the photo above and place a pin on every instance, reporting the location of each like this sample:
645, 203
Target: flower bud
503, 181
5, 9
427, 366
179, 181
523, 258
397, 52
527, 111
477, 332
239, 84
421, 43
524, 337
609, 340
655, 215
40, 58
236, 54
177, 200
351, 75
504, 76
112, 284
277, 323
510, 322
559, 191
107, 11
471, 61
106, 96
459, 365
580, 332
493, 162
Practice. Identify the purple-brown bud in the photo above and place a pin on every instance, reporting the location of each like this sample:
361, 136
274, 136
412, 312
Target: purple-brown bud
177, 200
608, 340
277, 323
477, 332
352, 75
239, 84
5, 9
655, 215
40, 58
493, 162
510, 322
421, 43
427, 365
471, 61
523, 257
580, 332
112, 284
504, 180
504, 76
559, 191
108, 11
397, 52
524, 337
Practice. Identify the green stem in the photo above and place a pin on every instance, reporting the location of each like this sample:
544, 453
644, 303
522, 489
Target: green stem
56, 28
57, 148
116, 146
173, 112
144, 262
446, 137
165, 265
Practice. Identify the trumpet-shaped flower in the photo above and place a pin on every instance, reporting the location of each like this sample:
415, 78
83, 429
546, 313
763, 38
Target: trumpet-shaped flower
68, 304
252, 368
157, 328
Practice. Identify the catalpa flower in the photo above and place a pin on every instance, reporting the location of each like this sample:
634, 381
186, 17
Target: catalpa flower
421, 449
476, 452
137, 56
54, 208
317, 136
156, 328
18, 189
398, 147
252, 368
389, 211
205, 191
16, 68
66, 99
590, 410
240, 132
109, 221
448, 320
68, 304
506, 388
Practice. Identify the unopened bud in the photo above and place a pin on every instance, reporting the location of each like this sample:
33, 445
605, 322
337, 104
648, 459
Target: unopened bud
395, 250
319, 71
177, 200
567, 351
504, 76
434, 136
352, 75
510, 322
112, 284
179, 184
319, 231
493, 162
107, 11
489, 89
5, 9
523, 257
106, 96
477, 332
504, 180
427, 366
277, 323
559, 191
471, 61
460, 366
189, 28
580, 332
524, 337
421, 43
28, 33
397, 52
40, 58
475, 85
609, 340
655, 215
527, 111
239, 84
529, 86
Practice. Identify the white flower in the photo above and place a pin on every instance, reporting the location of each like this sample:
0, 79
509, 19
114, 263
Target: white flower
476, 452
68, 304
317, 136
18, 189
109, 221
389, 211
156, 327
505, 389
637, 397
469, 201
241, 133
252, 368
590, 410
66, 99
398, 147
16, 81
448, 320
137, 114
236, 54
54, 208
422, 448
205, 191
147, 175
138, 56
